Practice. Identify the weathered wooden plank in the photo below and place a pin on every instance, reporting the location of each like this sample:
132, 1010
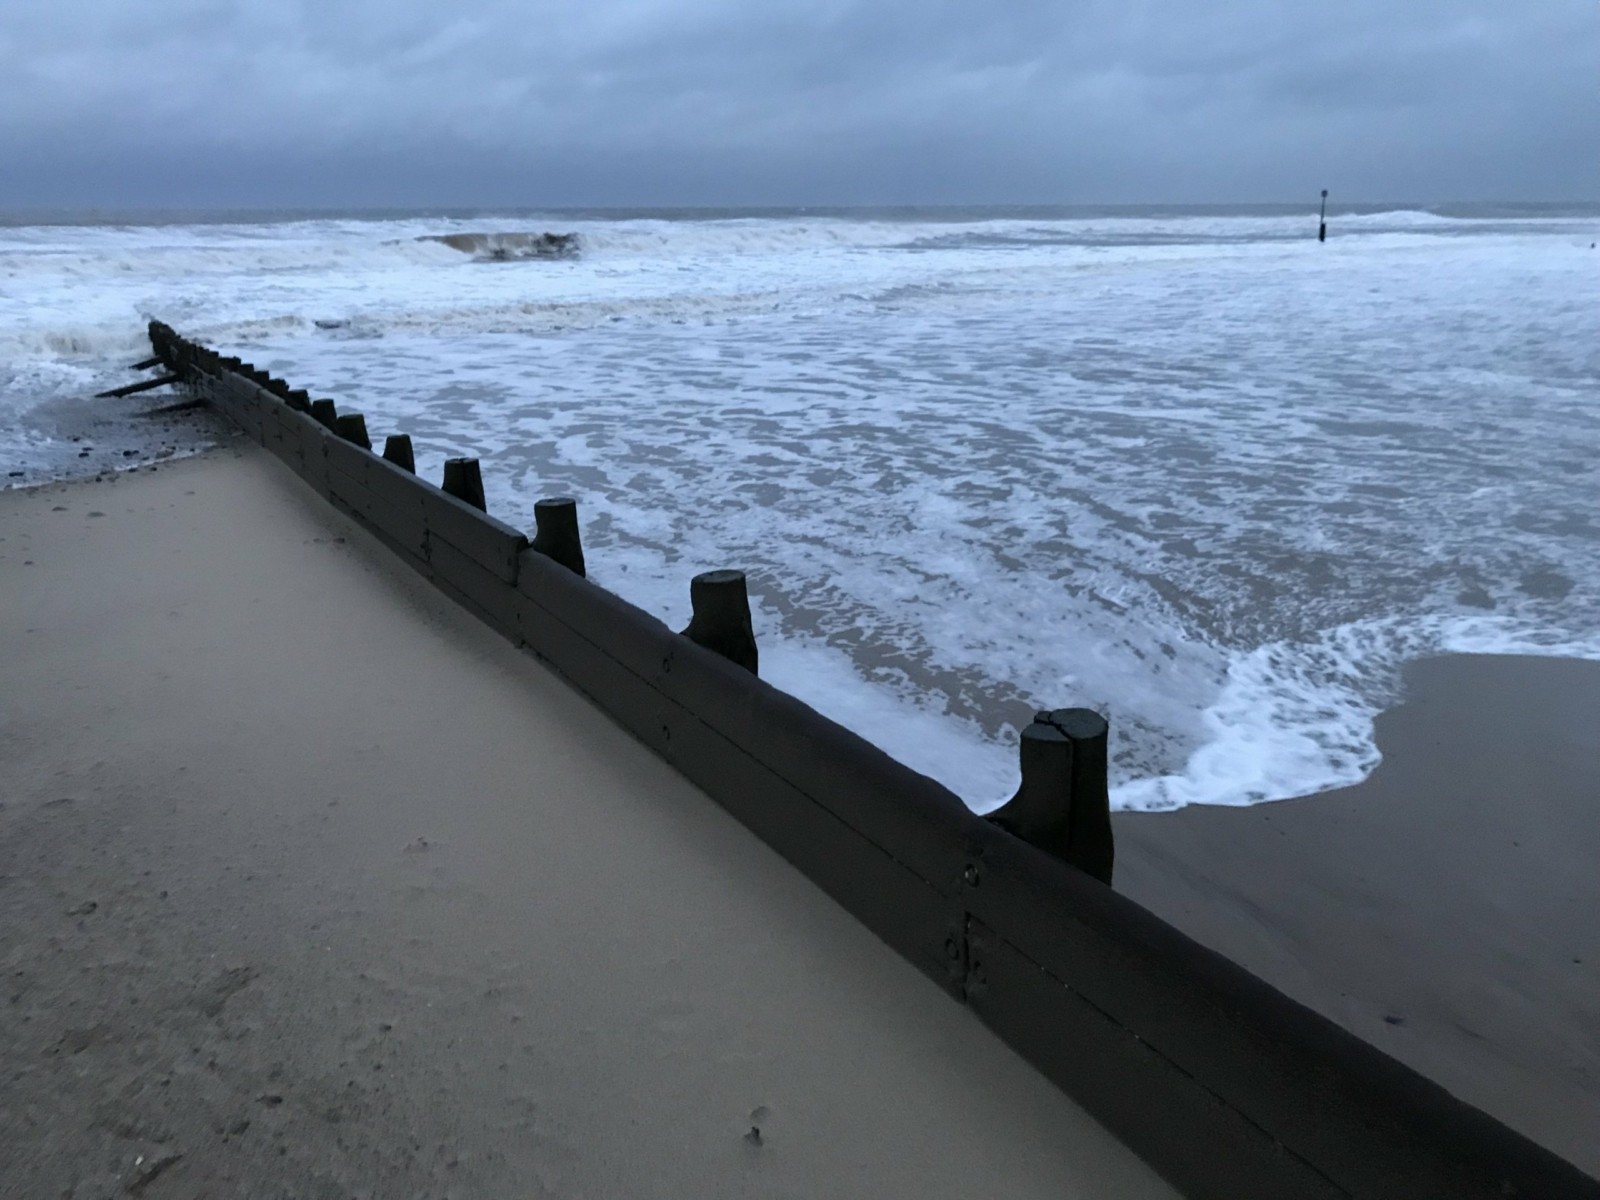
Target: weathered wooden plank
1372, 1124
490, 597
890, 898
629, 634
350, 493
403, 527
288, 443
134, 389
396, 486
348, 458
890, 804
619, 692
492, 543
1205, 1149
242, 405
313, 466
264, 405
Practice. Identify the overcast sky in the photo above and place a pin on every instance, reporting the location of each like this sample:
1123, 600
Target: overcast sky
623, 102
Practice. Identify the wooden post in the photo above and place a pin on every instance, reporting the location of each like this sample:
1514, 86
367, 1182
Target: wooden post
277, 387
135, 388
144, 364
326, 414
721, 621
556, 532
178, 406
1064, 805
352, 427
1322, 221
1089, 841
397, 449
464, 481
1040, 811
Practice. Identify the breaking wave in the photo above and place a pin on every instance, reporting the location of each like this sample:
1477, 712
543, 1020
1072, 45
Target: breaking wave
510, 246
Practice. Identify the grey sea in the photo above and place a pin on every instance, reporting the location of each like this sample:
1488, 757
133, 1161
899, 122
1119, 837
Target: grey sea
1186, 466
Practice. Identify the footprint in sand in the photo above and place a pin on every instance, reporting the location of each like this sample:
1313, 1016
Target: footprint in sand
760, 1117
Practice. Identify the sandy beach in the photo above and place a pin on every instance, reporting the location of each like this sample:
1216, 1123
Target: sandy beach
310, 886
1447, 910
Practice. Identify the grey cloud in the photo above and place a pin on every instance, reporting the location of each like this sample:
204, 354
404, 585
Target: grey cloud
733, 101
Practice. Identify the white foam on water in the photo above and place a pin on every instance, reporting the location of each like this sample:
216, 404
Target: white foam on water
1215, 482
913, 726
1290, 714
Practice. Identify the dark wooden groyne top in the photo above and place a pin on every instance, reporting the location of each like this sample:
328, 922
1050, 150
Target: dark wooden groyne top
1226, 1086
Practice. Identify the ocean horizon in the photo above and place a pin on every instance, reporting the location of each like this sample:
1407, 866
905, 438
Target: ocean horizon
133, 215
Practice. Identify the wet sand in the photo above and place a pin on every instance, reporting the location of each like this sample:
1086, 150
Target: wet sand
311, 886
81, 437
1447, 910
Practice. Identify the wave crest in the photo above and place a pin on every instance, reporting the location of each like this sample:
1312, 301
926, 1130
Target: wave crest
508, 247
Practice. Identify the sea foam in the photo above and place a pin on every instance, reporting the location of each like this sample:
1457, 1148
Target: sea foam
1196, 471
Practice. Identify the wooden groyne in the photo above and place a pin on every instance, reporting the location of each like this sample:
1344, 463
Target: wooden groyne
1227, 1087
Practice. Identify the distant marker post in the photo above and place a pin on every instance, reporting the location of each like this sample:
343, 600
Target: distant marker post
1322, 221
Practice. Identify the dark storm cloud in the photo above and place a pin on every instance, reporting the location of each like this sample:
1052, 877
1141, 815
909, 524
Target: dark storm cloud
752, 101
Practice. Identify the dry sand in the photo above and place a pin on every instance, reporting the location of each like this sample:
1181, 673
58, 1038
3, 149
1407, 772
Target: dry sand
312, 887
1447, 910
